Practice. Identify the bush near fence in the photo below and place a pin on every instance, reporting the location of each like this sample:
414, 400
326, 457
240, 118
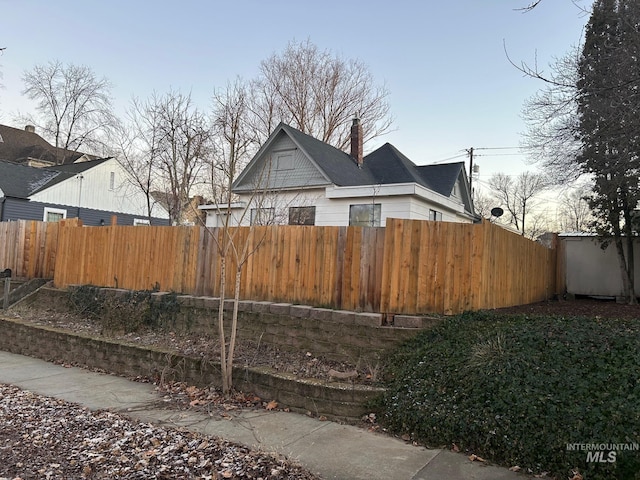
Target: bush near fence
407, 267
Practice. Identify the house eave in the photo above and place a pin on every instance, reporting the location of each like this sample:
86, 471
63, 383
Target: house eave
216, 207
398, 190
269, 191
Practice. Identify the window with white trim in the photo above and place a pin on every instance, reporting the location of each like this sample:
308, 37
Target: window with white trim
435, 215
365, 215
141, 221
54, 214
302, 215
112, 180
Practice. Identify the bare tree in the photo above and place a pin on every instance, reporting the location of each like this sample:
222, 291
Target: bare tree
234, 138
2, 49
552, 120
516, 195
575, 213
482, 203
318, 93
234, 141
74, 106
176, 141
534, 3
538, 223
135, 145
602, 89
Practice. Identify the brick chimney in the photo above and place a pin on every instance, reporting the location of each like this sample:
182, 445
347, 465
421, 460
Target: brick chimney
30, 128
356, 141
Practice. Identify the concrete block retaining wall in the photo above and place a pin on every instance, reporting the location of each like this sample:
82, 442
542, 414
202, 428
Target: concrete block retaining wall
336, 335
334, 400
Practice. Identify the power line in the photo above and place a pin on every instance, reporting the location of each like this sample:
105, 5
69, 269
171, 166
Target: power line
461, 155
499, 155
496, 148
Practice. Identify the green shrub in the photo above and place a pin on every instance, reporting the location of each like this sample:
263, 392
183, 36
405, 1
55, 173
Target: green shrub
129, 311
518, 390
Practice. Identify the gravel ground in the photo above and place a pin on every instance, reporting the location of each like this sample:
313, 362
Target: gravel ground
46, 438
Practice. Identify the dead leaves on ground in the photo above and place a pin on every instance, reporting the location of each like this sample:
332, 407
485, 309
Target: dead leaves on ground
211, 400
476, 458
43, 437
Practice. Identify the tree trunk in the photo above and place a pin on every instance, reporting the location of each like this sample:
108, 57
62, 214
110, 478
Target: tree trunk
224, 367
629, 272
234, 325
624, 262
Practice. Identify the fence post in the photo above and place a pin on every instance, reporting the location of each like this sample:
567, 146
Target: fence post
7, 286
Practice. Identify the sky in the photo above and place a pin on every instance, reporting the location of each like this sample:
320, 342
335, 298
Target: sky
451, 84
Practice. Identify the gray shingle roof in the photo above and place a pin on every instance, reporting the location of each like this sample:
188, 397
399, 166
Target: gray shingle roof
442, 177
385, 165
19, 145
337, 165
20, 181
388, 165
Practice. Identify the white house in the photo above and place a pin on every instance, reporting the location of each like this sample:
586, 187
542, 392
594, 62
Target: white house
296, 179
94, 191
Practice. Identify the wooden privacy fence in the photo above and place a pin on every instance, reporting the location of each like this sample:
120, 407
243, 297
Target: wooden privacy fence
410, 266
29, 248
453, 267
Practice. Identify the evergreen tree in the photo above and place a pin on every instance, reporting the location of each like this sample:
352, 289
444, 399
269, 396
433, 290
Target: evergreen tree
608, 91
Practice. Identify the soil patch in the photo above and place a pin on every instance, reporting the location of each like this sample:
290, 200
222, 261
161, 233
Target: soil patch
581, 307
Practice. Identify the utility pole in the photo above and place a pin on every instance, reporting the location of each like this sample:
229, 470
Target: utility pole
470, 152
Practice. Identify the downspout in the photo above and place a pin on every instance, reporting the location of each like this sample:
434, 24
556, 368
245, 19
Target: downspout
2, 209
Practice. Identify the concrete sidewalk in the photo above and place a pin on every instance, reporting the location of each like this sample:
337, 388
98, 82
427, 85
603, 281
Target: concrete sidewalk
328, 449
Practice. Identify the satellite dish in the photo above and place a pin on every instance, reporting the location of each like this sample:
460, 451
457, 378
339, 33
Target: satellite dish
496, 212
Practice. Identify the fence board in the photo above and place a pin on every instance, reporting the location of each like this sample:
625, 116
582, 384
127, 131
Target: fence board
28, 248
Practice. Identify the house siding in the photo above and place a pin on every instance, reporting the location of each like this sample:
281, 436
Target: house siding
18, 209
93, 191
302, 173
335, 211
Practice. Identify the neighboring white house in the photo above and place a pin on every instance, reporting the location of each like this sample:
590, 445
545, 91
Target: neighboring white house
41, 182
298, 180
94, 191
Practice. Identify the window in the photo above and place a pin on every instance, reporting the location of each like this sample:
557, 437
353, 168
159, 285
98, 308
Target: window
263, 216
435, 215
284, 161
54, 214
112, 180
302, 215
141, 221
365, 215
